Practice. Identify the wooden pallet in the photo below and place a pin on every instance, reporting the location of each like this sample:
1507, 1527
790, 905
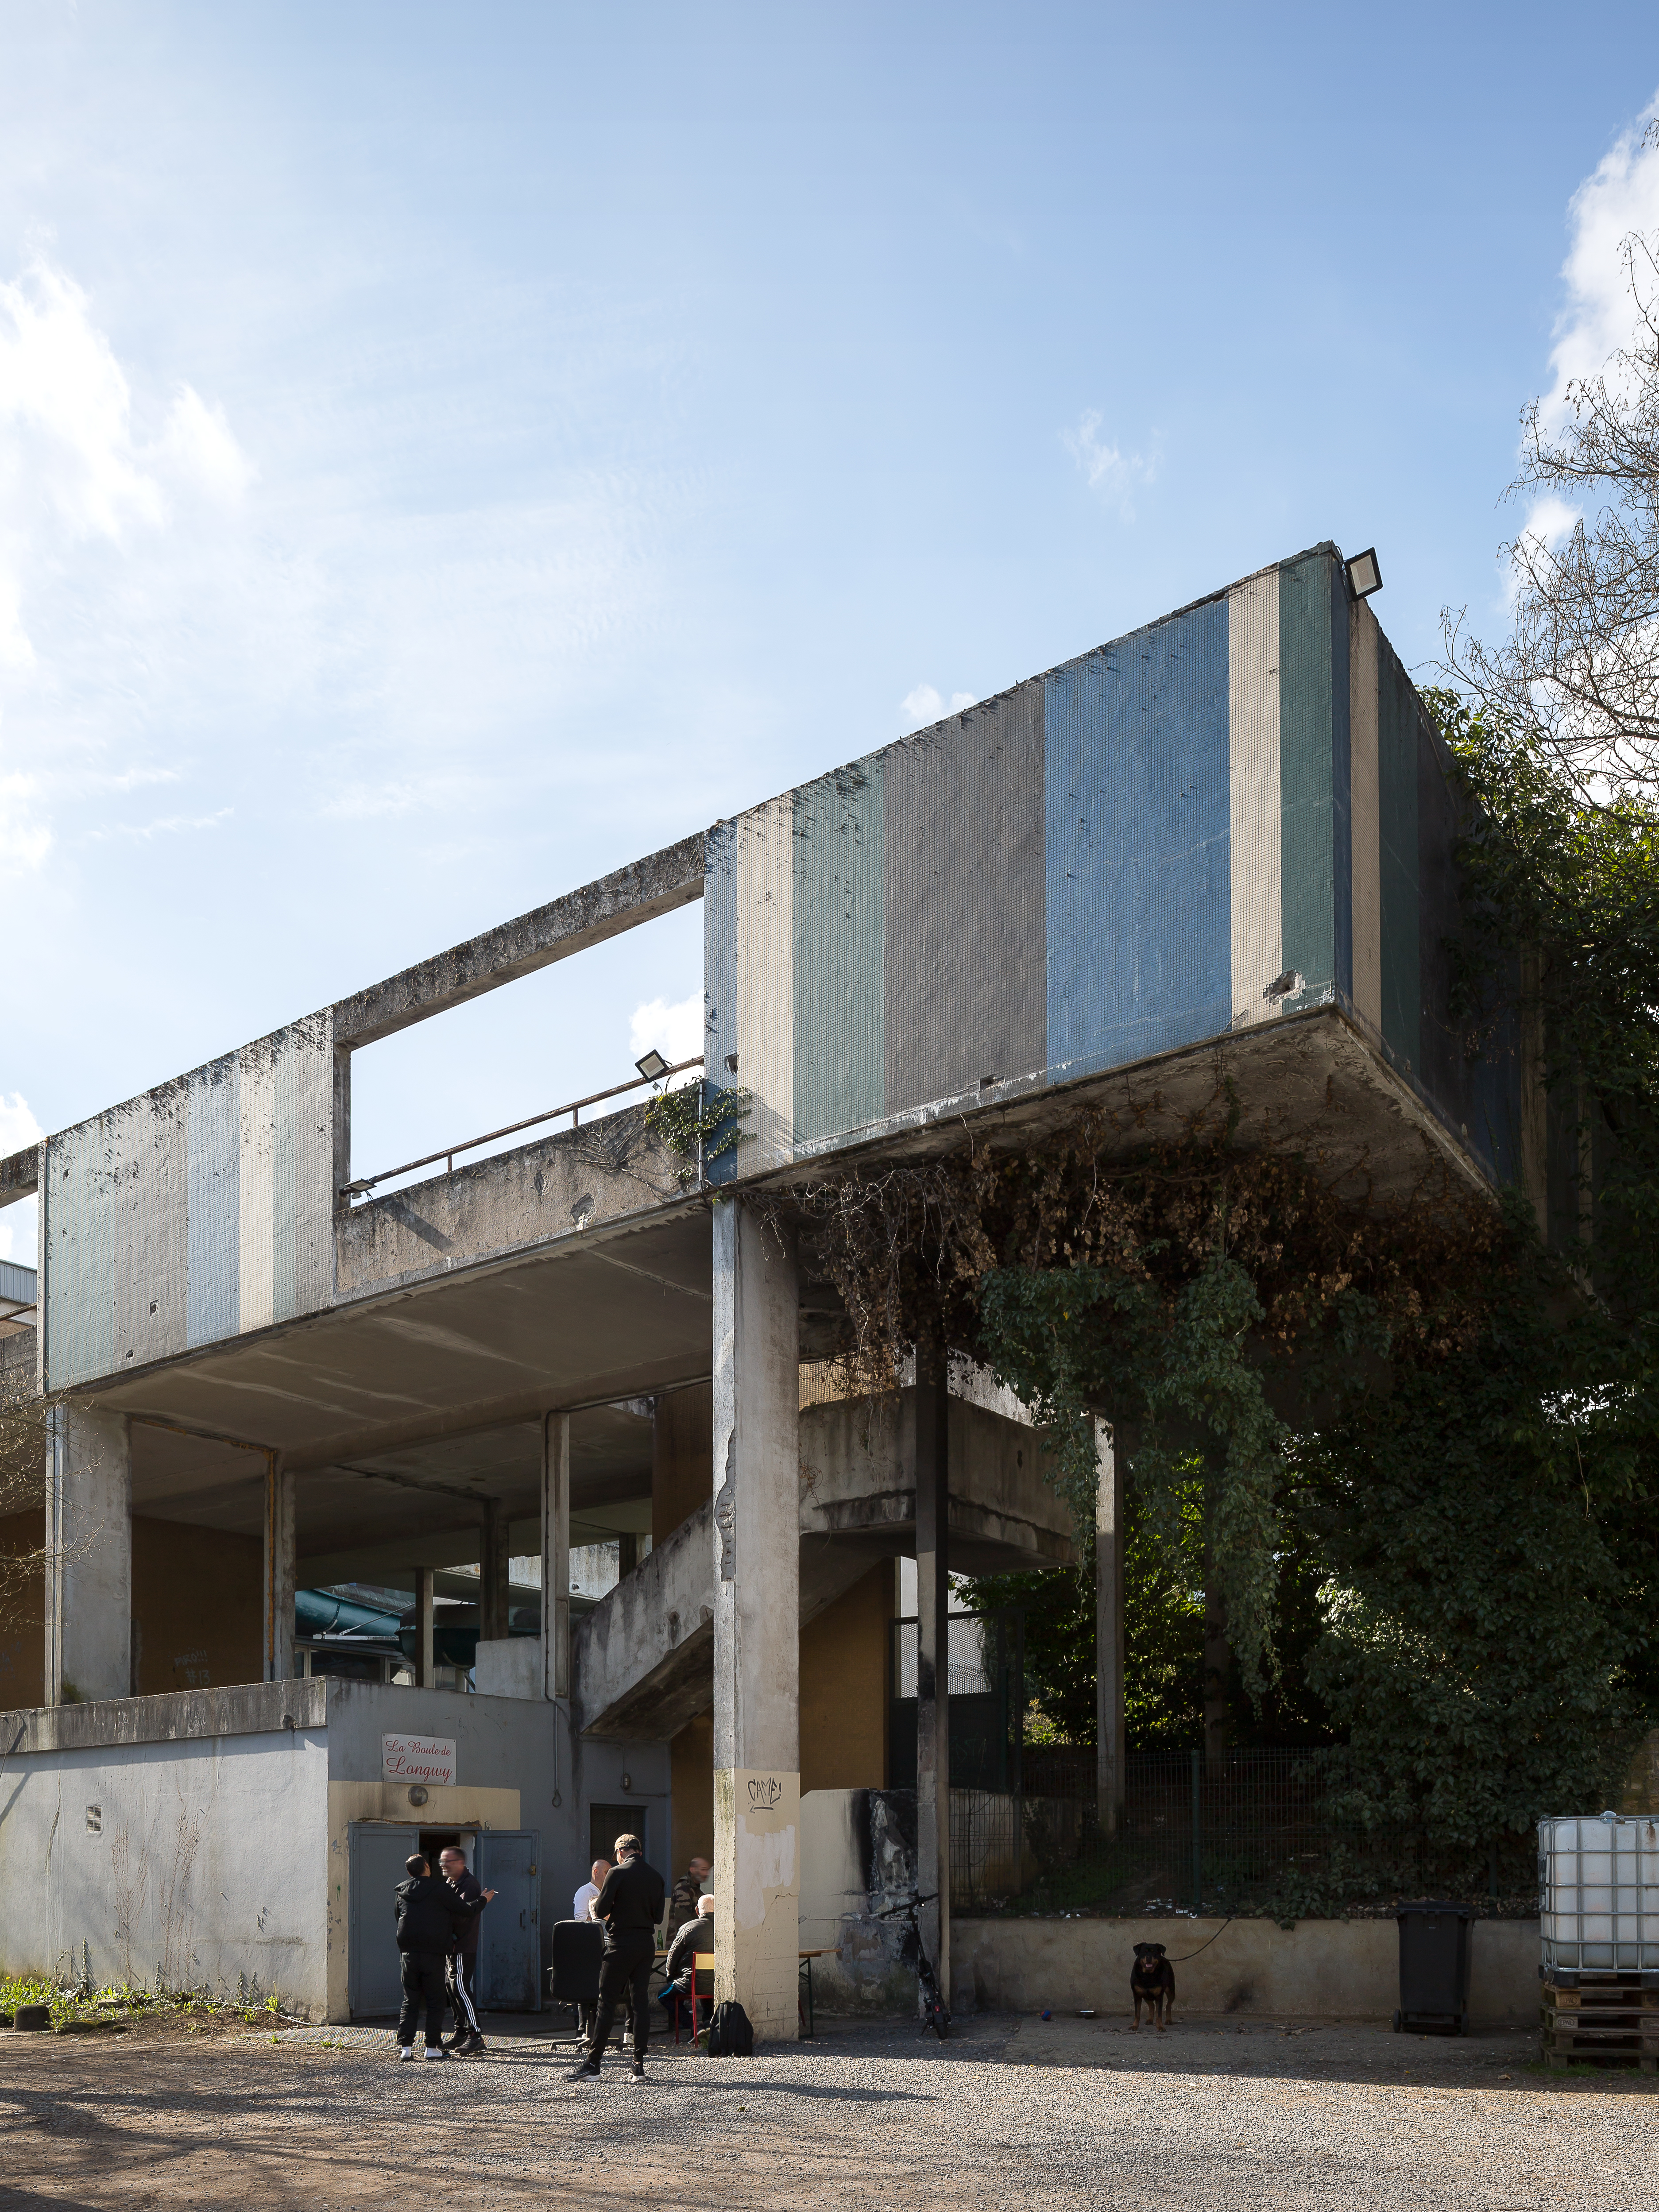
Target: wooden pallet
1611, 2022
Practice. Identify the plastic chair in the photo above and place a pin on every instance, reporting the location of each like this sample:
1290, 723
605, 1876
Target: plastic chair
695, 1996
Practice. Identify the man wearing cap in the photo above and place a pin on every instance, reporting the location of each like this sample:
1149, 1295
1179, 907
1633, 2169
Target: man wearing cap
628, 1907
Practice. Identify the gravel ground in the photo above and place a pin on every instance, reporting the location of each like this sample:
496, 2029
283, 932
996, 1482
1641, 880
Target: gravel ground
1215, 2114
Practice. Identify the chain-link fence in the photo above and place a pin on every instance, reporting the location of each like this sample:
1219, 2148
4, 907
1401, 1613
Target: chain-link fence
1249, 1832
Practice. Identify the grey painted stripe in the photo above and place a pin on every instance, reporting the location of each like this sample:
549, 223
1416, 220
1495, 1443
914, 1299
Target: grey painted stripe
838, 952
965, 895
212, 1256
284, 1177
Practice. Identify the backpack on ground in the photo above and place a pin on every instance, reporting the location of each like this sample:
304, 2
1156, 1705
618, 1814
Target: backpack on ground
730, 2033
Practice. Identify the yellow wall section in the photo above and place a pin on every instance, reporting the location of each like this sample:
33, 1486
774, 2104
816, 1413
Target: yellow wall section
691, 1755
22, 1612
843, 1688
843, 1713
198, 1607
682, 1456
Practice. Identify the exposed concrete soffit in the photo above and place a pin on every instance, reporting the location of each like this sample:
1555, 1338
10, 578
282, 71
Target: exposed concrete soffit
588, 1241
1028, 1105
636, 894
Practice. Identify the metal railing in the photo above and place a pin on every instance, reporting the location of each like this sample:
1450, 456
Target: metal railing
361, 1185
1266, 1831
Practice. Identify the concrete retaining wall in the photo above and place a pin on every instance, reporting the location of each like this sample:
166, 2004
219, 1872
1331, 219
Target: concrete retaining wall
1342, 1969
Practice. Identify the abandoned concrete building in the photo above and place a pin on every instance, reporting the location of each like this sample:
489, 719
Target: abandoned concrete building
1221, 843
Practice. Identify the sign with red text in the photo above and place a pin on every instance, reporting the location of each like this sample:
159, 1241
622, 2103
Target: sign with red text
418, 1758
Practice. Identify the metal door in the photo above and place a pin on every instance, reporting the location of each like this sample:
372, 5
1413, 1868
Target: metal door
510, 1932
373, 1987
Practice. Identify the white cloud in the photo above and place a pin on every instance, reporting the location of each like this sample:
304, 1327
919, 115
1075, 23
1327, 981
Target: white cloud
93, 516
676, 1030
1619, 196
18, 1128
1107, 469
925, 705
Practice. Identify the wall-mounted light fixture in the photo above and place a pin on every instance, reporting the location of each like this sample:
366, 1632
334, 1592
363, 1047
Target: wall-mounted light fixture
654, 1066
1364, 576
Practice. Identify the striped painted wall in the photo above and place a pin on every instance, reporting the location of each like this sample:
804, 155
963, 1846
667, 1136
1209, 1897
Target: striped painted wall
198, 1211
1113, 860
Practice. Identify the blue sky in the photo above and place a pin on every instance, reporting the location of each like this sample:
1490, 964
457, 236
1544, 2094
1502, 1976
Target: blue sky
446, 452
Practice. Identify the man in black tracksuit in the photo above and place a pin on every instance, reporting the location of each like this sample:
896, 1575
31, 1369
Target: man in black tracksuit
629, 1905
429, 1914
467, 2042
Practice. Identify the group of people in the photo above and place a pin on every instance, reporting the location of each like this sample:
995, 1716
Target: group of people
437, 1918
626, 1896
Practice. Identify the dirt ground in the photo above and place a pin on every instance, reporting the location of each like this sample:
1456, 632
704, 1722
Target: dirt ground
1215, 2114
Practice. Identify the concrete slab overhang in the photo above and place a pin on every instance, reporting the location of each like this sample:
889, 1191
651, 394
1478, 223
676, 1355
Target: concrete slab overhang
401, 1411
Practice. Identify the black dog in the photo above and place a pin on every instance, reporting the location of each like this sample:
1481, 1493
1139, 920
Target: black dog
1152, 1984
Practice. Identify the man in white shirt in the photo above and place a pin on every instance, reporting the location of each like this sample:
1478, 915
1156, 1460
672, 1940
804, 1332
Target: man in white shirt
583, 1904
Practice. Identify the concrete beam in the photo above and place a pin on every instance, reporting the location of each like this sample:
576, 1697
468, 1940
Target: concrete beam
20, 1174
756, 1554
632, 894
88, 1594
176, 1716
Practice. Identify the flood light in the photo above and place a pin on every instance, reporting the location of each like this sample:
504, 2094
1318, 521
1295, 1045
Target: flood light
1364, 576
654, 1066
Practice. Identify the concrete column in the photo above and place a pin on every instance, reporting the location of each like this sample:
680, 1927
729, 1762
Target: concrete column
281, 1570
681, 1463
1108, 1629
756, 1436
932, 1441
493, 1573
628, 1553
555, 1555
425, 1660
89, 1597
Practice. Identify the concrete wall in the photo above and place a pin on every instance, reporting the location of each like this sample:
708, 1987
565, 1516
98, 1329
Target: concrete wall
1115, 859
198, 1861
1340, 1969
843, 1688
537, 1192
858, 1855
197, 1596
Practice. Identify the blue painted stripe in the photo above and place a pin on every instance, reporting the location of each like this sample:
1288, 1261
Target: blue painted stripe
1139, 885
213, 1203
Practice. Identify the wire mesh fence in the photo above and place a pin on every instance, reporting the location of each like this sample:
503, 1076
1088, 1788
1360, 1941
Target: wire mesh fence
1249, 1832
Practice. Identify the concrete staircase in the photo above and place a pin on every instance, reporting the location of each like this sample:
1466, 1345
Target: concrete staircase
642, 1660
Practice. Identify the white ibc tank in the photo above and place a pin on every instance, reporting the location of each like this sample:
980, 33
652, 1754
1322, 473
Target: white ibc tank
1598, 1883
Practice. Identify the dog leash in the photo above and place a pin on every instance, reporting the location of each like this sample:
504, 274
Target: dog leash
1205, 1944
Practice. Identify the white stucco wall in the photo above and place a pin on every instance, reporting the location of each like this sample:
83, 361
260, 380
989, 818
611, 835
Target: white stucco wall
209, 1861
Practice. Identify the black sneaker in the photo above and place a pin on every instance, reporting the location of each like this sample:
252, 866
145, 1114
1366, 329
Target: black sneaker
588, 2071
637, 2069
470, 2045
